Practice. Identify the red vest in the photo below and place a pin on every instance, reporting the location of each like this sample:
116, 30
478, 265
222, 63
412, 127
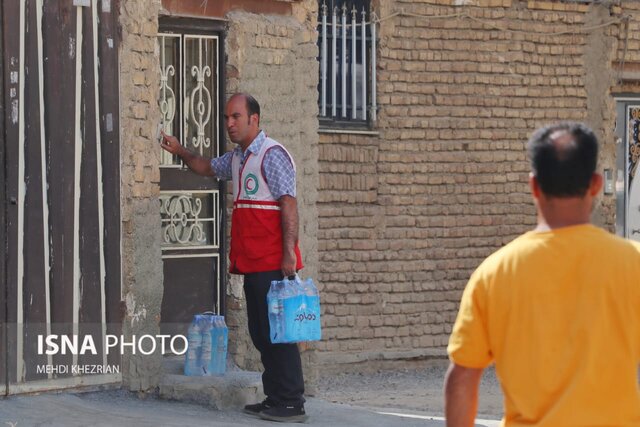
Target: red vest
256, 223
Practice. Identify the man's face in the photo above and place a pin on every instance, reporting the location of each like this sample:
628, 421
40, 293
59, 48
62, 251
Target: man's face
241, 127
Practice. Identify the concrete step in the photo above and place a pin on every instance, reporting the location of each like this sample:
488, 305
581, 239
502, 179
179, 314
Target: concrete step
232, 390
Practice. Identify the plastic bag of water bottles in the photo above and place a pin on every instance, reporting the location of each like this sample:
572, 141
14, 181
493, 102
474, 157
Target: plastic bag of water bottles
294, 310
207, 339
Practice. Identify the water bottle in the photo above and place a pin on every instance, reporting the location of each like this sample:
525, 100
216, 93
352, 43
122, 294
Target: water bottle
293, 300
192, 363
282, 300
313, 308
289, 308
206, 332
309, 288
225, 345
219, 364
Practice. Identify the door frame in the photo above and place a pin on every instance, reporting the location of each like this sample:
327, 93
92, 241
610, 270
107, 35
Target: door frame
4, 379
622, 148
217, 27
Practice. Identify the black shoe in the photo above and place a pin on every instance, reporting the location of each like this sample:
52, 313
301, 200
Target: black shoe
256, 408
285, 414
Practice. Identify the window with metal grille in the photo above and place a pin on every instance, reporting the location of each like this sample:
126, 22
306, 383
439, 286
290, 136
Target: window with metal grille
347, 56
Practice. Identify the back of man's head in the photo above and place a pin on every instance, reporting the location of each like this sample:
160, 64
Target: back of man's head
563, 158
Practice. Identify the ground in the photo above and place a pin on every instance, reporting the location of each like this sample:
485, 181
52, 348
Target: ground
388, 398
415, 389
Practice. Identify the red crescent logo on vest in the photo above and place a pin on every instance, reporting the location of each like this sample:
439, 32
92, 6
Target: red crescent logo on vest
251, 184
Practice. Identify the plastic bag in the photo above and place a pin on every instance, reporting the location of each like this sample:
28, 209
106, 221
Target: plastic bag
207, 345
294, 311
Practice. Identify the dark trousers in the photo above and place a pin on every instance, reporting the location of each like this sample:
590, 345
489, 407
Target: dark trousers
282, 379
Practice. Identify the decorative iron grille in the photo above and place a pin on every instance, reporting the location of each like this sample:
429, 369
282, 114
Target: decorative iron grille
189, 92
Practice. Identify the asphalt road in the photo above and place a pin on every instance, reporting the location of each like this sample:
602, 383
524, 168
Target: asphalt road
123, 409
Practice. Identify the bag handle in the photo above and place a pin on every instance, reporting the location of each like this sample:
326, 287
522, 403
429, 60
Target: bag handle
293, 278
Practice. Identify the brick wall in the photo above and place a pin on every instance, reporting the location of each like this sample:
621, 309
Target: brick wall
406, 215
392, 222
140, 177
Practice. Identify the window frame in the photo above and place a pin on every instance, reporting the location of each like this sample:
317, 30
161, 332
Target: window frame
329, 122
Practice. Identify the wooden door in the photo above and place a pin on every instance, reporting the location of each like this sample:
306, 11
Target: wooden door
62, 200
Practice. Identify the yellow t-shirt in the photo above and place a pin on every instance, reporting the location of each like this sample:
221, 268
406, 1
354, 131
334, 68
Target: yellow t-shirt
559, 314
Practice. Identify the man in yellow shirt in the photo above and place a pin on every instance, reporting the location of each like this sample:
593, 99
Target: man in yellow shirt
557, 310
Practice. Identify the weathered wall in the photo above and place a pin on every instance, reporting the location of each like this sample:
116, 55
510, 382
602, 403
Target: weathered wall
407, 215
394, 222
627, 61
274, 58
599, 77
141, 255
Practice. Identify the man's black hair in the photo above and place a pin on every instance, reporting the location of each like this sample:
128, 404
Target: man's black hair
563, 169
252, 105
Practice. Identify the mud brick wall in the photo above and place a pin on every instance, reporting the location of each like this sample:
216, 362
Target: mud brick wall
408, 212
140, 157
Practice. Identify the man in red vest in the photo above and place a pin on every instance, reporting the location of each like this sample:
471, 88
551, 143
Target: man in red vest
264, 242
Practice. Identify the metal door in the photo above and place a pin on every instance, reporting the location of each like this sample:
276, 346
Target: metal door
191, 206
628, 169
3, 241
61, 204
